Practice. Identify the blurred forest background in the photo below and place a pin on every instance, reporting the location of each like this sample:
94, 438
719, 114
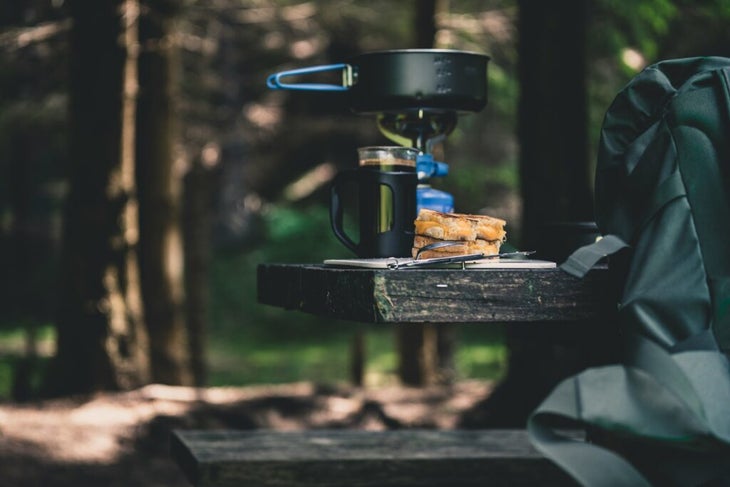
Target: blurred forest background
145, 169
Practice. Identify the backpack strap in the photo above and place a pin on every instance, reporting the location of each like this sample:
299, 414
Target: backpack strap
652, 398
589, 464
585, 258
720, 289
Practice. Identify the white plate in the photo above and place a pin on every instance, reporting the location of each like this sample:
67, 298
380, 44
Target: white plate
472, 264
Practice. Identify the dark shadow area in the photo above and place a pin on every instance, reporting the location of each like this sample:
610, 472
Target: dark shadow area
92, 424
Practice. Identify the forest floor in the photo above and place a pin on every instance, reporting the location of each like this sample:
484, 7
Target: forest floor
122, 439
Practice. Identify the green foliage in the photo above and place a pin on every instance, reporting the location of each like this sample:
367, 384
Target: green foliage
503, 93
641, 24
300, 235
293, 235
482, 357
6, 377
13, 356
235, 360
477, 185
475, 179
719, 9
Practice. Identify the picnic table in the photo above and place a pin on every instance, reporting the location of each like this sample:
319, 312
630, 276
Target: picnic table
444, 296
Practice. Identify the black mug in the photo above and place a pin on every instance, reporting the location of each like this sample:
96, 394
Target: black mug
386, 182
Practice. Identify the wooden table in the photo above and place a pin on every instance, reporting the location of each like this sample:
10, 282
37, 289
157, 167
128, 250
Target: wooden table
435, 295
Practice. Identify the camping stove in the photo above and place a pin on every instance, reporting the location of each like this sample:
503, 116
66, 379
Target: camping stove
422, 129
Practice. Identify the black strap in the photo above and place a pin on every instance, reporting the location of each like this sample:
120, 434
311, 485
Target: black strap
585, 258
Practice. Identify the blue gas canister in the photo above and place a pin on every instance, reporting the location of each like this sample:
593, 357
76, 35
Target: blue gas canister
426, 196
433, 199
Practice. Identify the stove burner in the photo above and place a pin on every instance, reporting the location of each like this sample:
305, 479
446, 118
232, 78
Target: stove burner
419, 128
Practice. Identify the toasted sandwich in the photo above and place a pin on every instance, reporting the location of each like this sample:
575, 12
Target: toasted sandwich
474, 233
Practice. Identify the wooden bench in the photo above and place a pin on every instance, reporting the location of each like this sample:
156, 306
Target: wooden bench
350, 458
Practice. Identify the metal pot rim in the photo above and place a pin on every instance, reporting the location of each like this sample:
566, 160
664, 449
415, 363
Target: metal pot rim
423, 51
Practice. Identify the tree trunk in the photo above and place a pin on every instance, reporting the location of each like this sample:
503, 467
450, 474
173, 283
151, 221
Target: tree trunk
425, 351
159, 185
553, 116
409, 341
102, 343
197, 232
554, 175
17, 283
425, 21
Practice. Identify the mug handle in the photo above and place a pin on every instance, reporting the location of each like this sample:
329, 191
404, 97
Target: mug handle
404, 211
337, 209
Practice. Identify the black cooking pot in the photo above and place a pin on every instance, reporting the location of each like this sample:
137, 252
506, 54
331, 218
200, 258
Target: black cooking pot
404, 80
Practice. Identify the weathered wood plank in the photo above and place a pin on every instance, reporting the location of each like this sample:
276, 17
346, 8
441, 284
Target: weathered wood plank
318, 290
435, 295
363, 458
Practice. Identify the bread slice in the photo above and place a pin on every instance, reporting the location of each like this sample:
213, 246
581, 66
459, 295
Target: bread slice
464, 247
456, 226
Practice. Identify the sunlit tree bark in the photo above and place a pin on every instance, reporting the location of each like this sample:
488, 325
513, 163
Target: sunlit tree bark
159, 184
102, 343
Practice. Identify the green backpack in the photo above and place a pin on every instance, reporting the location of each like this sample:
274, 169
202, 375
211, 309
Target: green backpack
662, 416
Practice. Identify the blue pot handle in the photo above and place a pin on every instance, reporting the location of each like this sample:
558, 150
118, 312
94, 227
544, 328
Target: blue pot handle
275, 80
